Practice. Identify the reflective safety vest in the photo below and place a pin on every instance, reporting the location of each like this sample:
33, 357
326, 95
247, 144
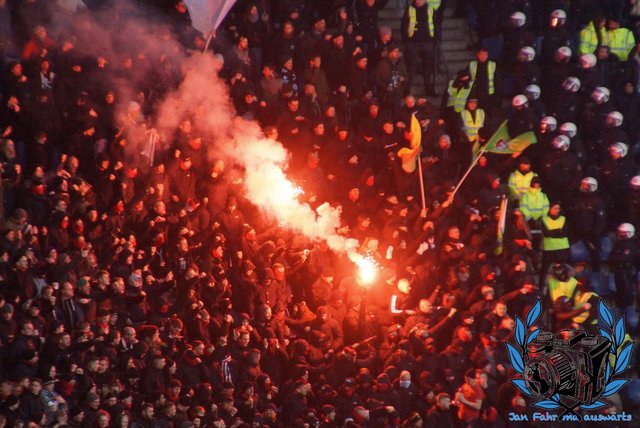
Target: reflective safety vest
534, 204
553, 244
491, 71
457, 97
579, 300
519, 184
589, 39
620, 41
559, 288
472, 127
432, 6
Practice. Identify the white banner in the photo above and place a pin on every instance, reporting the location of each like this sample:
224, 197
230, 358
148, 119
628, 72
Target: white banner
207, 15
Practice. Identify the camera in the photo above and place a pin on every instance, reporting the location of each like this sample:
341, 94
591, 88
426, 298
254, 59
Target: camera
569, 363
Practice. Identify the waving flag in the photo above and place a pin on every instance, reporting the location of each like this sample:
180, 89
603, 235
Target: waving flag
502, 143
408, 155
207, 15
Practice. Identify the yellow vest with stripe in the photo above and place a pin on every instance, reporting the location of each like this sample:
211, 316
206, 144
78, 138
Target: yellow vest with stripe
620, 41
432, 6
553, 244
534, 204
589, 39
559, 288
457, 97
472, 127
491, 72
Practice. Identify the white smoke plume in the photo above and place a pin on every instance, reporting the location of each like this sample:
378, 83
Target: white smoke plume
203, 97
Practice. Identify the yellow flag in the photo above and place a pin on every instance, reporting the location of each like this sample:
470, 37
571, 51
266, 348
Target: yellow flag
409, 155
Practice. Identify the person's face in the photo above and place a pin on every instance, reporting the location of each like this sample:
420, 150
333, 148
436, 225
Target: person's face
465, 335
288, 29
394, 54
454, 233
316, 62
524, 168
482, 380
482, 56
444, 403
103, 421
501, 309
183, 245
425, 306
35, 387
472, 105
554, 210
243, 340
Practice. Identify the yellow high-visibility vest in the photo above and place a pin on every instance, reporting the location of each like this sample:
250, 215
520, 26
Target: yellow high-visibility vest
432, 6
589, 39
519, 184
620, 41
491, 71
472, 127
534, 204
579, 300
554, 244
559, 288
457, 97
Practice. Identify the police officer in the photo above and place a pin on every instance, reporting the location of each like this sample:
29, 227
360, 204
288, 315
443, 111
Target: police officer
560, 171
616, 172
555, 36
623, 261
588, 218
633, 202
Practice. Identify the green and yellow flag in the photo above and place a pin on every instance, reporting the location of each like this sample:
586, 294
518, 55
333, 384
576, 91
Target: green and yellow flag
502, 143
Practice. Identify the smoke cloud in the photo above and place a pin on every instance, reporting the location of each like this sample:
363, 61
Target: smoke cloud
203, 97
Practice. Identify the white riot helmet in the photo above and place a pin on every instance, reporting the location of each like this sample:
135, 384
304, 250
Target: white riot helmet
588, 61
600, 95
518, 19
618, 149
563, 53
569, 129
526, 54
532, 92
571, 84
588, 184
519, 101
561, 142
626, 231
635, 182
558, 17
548, 124
615, 119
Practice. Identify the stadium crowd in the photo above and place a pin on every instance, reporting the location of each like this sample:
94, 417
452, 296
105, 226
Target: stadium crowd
140, 287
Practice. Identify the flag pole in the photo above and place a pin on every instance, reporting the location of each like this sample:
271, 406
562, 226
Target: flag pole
206, 45
466, 174
424, 202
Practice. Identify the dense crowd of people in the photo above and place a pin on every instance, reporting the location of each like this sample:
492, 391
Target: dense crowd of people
140, 287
